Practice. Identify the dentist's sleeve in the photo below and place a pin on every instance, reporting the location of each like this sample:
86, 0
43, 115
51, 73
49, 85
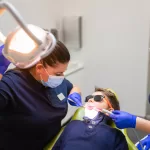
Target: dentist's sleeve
3, 101
4, 96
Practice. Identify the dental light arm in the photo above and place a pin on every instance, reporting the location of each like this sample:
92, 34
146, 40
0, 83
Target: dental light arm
28, 44
9, 7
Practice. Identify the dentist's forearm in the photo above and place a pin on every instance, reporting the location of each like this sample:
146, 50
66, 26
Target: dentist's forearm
75, 89
143, 124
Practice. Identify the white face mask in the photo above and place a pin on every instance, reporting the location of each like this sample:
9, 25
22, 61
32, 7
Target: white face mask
53, 81
91, 113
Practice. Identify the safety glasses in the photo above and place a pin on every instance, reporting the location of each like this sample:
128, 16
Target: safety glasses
98, 98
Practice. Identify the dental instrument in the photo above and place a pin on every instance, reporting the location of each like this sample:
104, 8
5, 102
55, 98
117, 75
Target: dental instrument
106, 111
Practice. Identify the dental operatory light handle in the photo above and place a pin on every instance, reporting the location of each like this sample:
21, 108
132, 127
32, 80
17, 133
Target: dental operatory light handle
9, 7
107, 111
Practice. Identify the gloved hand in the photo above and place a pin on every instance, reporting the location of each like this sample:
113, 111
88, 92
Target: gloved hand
74, 99
4, 63
123, 119
145, 143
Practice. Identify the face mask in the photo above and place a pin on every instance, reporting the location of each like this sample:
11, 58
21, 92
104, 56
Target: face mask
53, 81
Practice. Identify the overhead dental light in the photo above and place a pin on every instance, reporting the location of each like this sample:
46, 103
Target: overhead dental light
27, 44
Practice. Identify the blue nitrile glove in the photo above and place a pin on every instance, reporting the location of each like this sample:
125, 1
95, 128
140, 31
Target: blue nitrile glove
145, 143
123, 119
4, 63
74, 99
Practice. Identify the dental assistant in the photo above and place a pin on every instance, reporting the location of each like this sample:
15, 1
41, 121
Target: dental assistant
34, 101
3, 62
126, 120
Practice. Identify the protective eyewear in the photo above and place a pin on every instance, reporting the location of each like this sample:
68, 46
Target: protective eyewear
98, 98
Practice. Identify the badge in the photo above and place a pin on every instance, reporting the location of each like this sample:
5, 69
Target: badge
61, 96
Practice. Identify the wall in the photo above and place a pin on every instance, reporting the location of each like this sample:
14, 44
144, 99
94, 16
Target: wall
41, 13
115, 43
115, 48
148, 89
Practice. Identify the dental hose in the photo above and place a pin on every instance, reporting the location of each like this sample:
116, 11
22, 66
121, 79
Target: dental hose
137, 136
135, 132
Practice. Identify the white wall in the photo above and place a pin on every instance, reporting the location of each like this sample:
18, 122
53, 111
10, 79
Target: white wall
40, 12
115, 48
115, 43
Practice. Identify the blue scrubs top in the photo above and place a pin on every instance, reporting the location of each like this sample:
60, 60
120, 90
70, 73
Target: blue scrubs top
30, 114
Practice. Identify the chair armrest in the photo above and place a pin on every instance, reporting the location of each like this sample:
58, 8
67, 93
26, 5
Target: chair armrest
52, 143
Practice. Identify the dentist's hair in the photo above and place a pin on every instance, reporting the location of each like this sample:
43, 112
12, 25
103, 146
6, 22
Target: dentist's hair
60, 54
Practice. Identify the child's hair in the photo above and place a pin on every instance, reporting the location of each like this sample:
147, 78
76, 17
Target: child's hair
111, 97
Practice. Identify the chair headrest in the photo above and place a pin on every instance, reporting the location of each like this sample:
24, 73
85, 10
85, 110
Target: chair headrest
112, 92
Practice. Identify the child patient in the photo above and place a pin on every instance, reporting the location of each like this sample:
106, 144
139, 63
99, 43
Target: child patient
93, 133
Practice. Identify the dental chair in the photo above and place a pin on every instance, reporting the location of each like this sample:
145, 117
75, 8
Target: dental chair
78, 115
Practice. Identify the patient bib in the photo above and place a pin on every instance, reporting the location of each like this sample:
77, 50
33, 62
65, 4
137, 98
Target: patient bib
91, 113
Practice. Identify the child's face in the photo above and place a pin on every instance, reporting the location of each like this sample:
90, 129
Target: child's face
103, 104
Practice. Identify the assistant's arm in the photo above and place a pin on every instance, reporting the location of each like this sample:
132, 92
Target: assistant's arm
126, 120
143, 124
